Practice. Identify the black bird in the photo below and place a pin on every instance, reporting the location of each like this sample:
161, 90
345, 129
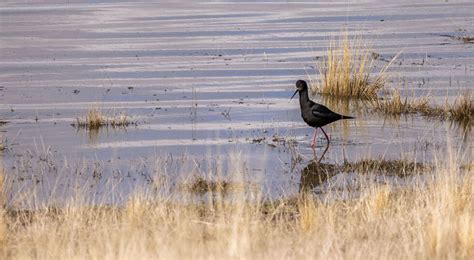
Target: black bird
314, 114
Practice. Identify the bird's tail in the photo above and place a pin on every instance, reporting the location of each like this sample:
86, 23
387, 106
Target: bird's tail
347, 117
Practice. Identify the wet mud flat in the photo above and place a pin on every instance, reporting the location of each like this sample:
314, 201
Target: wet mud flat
208, 85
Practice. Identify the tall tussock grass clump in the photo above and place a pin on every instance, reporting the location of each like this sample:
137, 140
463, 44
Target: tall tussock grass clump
432, 218
346, 70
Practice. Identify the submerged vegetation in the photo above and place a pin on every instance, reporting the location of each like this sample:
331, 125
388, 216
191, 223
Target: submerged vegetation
346, 69
95, 119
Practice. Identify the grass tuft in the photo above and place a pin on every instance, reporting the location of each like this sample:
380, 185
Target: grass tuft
461, 111
396, 105
346, 70
95, 119
3, 146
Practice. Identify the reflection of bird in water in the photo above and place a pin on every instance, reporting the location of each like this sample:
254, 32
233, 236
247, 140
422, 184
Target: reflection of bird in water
314, 174
314, 114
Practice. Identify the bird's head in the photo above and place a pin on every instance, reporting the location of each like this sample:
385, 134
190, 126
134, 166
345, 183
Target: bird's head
300, 86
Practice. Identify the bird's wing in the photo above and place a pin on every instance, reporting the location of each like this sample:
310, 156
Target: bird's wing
322, 111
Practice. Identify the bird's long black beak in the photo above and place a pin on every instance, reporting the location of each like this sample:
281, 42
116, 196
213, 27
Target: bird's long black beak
294, 94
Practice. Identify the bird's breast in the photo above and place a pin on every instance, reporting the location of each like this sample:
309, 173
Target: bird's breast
308, 117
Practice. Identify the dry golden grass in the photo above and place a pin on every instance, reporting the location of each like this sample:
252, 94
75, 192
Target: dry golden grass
346, 70
462, 109
467, 39
3, 146
396, 105
464, 38
432, 219
95, 119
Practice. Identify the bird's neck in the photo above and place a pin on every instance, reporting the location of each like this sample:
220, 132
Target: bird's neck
304, 98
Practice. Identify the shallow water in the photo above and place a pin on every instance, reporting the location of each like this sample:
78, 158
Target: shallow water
209, 80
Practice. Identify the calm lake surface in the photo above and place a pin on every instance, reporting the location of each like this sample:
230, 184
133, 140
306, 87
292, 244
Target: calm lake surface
208, 85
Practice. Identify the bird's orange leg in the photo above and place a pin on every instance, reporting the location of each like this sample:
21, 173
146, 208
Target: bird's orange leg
314, 136
327, 138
